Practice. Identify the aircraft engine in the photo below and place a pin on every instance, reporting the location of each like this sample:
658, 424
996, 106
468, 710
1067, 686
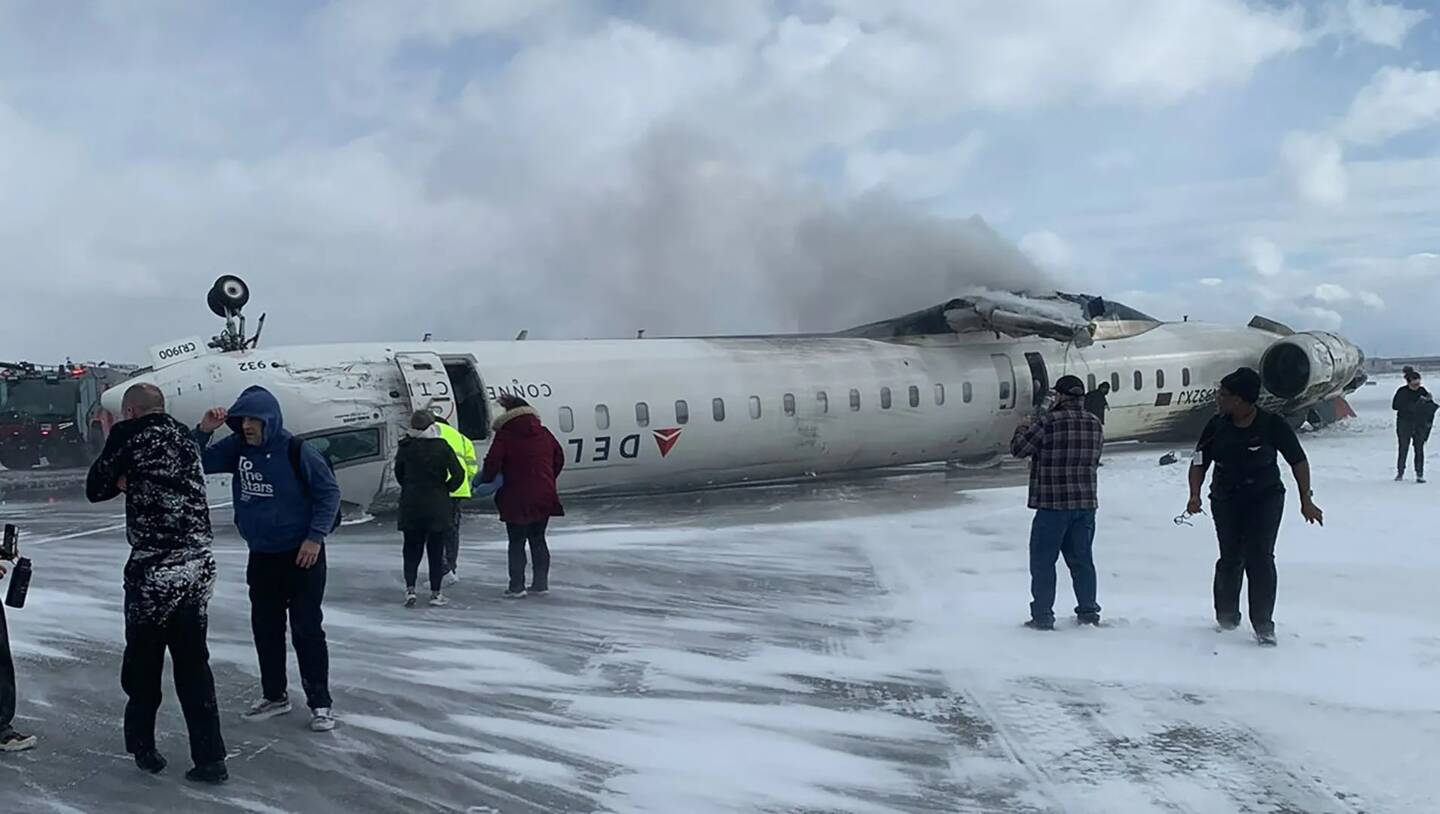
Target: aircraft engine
1308, 367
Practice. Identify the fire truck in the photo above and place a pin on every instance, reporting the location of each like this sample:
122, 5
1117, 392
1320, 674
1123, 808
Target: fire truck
52, 414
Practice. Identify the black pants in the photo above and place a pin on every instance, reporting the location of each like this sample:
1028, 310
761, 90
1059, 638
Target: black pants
430, 544
534, 534
1416, 437
452, 541
183, 634
7, 677
1246, 527
278, 586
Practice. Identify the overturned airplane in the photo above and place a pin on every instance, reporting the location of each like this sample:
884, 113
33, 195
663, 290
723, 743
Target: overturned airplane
949, 383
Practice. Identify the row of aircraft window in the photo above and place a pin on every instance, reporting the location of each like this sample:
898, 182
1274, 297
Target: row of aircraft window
1139, 379
717, 406
822, 402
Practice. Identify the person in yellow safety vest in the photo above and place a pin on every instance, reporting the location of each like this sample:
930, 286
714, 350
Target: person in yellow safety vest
465, 451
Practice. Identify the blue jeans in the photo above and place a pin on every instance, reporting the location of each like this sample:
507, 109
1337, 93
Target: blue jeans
1053, 533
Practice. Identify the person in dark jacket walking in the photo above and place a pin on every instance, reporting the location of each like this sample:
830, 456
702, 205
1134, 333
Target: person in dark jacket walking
1097, 402
428, 471
1064, 447
1247, 497
169, 578
286, 504
530, 459
1414, 416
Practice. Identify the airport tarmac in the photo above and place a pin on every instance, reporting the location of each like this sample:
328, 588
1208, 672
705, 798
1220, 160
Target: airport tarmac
850, 646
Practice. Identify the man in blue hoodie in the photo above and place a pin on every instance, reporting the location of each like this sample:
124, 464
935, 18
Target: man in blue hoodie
286, 503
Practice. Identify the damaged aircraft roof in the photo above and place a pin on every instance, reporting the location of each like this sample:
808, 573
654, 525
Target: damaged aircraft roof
1059, 316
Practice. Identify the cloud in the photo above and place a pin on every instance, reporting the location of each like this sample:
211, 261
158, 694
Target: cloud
1211, 282
1331, 293
1371, 300
1324, 318
1375, 22
1048, 250
1395, 102
379, 169
912, 175
1264, 256
1313, 165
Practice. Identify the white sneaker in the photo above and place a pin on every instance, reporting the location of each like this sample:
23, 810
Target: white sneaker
265, 709
450, 579
12, 741
438, 600
514, 594
410, 599
321, 720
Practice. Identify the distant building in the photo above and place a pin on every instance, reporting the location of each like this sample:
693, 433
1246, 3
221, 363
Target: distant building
1395, 364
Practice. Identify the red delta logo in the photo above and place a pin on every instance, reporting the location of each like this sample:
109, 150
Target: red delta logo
666, 440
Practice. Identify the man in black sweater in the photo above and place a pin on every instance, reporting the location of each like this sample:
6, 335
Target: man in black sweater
1414, 416
169, 578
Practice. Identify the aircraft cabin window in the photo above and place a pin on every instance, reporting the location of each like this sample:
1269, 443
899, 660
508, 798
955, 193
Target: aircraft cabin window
1185, 377
567, 420
349, 446
642, 414
855, 400
1115, 382
1090, 382
884, 398
1004, 393
1160, 380
682, 412
823, 401
602, 417
914, 396
790, 404
1139, 381
939, 395
717, 407
754, 407
967, 393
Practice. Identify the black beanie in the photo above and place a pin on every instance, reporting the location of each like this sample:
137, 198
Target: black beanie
1070, 386
1244, 383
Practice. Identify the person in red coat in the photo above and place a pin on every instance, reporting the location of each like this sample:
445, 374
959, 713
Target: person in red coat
529, 459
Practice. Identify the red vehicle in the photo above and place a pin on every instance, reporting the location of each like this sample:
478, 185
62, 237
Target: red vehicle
53, 414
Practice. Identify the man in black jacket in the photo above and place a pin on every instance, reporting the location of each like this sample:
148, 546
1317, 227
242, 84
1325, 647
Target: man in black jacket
1097, 401
168, 580
1414, 416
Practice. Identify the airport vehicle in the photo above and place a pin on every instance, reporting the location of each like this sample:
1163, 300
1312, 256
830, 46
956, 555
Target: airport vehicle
53, 413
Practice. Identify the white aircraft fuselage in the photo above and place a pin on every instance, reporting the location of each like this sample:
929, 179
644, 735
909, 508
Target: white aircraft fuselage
645, 415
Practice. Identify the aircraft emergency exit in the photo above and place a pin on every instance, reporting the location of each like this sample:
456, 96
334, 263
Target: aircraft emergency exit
949, 383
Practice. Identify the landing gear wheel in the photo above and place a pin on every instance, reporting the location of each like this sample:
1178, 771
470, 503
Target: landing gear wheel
18, 459
228, 296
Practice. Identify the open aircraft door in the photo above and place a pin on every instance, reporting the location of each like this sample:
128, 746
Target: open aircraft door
1005, 378
427, 384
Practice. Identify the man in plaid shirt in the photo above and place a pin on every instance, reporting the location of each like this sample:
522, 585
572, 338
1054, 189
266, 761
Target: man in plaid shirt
1063, 446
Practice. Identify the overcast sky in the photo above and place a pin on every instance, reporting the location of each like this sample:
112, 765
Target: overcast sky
380, 169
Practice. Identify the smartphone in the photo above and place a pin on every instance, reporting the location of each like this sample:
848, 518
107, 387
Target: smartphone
10, 546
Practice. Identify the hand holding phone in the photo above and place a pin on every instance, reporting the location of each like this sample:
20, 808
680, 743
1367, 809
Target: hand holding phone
10, 543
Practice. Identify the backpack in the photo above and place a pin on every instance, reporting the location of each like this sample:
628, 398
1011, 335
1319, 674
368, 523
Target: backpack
296, 445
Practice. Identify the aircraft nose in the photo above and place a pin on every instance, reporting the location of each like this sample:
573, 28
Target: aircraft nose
111, 398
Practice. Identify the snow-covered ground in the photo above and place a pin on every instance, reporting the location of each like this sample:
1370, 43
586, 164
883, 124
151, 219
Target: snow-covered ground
847, 647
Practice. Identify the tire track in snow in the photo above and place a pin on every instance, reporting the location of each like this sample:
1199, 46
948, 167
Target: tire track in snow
1180, 762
